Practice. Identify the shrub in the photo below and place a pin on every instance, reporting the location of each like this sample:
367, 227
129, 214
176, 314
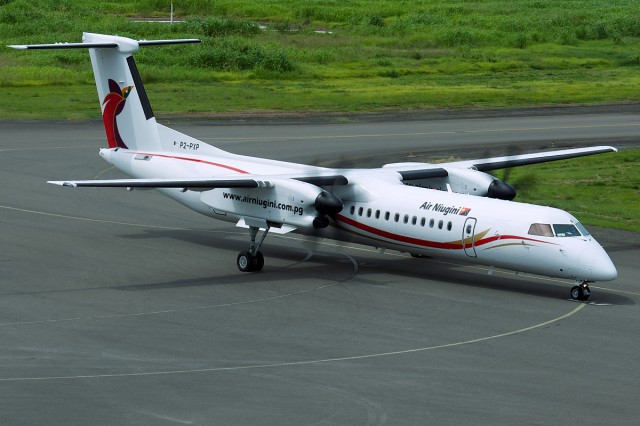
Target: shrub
597, 31
376, 21
455, 38
567, 37
520, 41
221, 27
20, 12
236, 54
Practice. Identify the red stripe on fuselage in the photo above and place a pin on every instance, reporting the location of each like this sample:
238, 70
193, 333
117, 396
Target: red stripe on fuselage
428, 243
195, 160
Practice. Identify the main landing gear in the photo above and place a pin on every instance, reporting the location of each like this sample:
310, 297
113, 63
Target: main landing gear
581, 291
252, 260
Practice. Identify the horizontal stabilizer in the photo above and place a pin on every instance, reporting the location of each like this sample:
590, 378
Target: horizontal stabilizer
103, 45
65, 46
163, 42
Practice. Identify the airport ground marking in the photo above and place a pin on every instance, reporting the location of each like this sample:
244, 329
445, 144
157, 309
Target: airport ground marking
298, 363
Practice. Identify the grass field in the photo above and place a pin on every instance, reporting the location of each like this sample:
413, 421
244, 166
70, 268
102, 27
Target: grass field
318, 56
373, 55
602, 190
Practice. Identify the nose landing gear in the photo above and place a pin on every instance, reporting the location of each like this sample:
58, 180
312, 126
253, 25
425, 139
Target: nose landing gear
581, 292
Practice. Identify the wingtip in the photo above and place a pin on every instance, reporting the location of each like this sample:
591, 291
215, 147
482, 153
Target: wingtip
62, 183
17, 46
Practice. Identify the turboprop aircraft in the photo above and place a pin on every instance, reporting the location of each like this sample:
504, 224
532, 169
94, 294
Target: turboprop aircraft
451, 210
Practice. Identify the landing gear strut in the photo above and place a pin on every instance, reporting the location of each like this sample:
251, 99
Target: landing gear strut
252, 260
581, 291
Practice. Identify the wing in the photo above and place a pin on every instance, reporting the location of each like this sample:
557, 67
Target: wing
407, 172
203, 184
496, 163
415, 171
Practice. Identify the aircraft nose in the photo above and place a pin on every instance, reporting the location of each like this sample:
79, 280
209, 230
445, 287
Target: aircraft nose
597, 264
605, 270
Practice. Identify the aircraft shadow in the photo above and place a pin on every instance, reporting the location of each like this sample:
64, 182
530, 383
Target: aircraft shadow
451, 274
321, 261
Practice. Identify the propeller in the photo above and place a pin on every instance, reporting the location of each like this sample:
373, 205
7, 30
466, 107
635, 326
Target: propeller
327, 205
511, 150
499, 188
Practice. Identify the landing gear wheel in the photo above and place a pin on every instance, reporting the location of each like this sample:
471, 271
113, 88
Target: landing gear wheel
250, 263
258, 262
252, 260
580, 292
575, 292
246, 261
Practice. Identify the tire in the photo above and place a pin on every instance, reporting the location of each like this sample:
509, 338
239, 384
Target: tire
245, 261
576, 292
258, 262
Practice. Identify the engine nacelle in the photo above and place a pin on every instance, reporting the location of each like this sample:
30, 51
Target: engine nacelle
469, 181
284, 201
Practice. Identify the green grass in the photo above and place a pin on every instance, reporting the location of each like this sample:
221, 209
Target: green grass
602, 190
380, 55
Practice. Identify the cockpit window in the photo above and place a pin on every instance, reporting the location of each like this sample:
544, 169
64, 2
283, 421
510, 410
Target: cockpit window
558, 230
582, 229
542, 229
566, 230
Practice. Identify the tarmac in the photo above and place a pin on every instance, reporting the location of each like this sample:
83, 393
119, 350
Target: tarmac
124, 307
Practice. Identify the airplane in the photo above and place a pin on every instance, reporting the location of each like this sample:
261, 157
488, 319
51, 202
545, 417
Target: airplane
452, 210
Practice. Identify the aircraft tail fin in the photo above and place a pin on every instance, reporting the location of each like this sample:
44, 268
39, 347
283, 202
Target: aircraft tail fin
128, 118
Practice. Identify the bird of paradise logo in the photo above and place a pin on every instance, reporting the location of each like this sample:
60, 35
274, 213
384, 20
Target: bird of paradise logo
113, 105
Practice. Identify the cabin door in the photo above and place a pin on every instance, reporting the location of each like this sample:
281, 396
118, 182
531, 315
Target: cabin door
468, 239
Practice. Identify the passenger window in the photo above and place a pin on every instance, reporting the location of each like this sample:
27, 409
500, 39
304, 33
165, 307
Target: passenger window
352, 210
377, 214
440, 223
387, 215
406, 218
449, 226
360, 211
368, 212
431, 222
541, 229
396, 217
414, 220
423, 221
567, 230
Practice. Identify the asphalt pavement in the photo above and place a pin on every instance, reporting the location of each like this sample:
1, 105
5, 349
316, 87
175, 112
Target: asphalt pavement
124, 307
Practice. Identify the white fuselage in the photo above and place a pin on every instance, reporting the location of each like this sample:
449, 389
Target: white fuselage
385, 213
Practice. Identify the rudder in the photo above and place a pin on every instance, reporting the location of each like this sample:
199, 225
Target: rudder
126, 112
